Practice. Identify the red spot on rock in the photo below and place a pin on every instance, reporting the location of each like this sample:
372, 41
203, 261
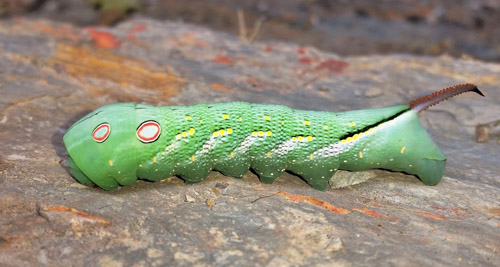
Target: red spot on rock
223, 60
220, 87
431, 216
268, 48
306, 60
372, 213
437, 207
103, 39
314, 201
301, 51
459, 211
331, 65
136, 30
78, 213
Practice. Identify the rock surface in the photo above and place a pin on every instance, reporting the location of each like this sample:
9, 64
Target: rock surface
52, 74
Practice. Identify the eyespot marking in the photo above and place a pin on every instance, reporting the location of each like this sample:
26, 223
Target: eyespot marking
101, 132
148, 131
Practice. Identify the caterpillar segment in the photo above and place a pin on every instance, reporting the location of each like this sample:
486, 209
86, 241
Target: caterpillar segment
117, 144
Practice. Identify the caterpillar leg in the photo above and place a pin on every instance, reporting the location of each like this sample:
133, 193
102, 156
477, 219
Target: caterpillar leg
268, 168
194, 170
78, 174
233, 164
156, 169
316, 172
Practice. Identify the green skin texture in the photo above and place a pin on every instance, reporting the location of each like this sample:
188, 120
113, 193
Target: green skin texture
267, 138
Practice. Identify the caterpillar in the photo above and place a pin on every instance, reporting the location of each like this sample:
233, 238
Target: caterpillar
120, 143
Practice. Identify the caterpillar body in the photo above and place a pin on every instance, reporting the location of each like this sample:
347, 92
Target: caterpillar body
117, 144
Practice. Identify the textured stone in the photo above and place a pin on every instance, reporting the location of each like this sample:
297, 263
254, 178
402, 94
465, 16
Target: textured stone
52, 74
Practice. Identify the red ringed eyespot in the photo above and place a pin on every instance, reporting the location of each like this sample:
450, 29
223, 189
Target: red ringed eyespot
101, 132
148, 131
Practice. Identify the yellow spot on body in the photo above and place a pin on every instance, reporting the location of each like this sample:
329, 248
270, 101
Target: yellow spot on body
268, 154
201, 121
225, 116
222, 132
306, 122
216, 133
360, 154
188, 118
232, 154
154, 159
301, 138
355, 137
239, 119
349, 139
352, 124
268, 133
311, 156
325, 127
282, 122
371, 130
343, 141
267, 118
191, 131
261, 133
184, 133
110, 163
178, 136
294, 138
403, 149
229, 130
254, 133
410, 165
193, 158
309, 138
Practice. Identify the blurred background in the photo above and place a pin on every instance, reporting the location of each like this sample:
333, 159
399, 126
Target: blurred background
458, 28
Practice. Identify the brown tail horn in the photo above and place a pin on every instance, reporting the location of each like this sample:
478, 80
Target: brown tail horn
435, 98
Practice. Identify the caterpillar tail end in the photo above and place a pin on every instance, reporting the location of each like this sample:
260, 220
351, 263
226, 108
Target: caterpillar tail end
433, 171
78, 174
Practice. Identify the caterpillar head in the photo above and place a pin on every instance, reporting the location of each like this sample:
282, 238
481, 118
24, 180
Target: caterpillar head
100, 147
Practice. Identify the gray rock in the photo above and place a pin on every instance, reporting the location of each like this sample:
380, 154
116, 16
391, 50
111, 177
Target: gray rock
52, 74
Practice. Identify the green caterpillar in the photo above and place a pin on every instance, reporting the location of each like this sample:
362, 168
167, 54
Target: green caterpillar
117, 144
